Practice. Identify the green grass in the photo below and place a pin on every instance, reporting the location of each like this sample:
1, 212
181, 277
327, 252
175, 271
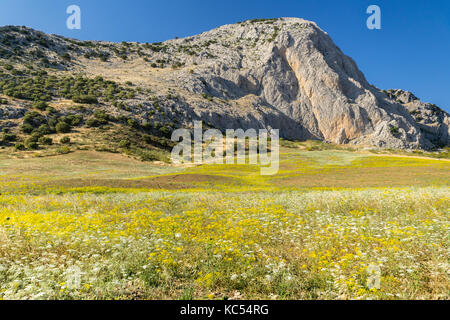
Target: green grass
299, 169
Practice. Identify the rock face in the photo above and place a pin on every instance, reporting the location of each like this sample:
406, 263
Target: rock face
295, 69
431, 120
283, 74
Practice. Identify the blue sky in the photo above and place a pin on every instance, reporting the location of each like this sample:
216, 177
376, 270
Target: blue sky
411, 51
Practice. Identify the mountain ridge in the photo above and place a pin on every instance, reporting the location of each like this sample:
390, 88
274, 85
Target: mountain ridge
282, 74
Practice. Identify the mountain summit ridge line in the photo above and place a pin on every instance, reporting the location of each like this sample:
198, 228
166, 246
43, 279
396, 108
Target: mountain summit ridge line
285, 74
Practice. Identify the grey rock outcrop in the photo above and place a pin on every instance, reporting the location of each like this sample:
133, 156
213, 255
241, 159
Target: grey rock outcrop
284, 74
294, 68
431, 120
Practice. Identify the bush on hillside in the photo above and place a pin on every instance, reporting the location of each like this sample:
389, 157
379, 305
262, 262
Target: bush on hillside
65, 140
88, 99
45, 141
63, 127
40, 105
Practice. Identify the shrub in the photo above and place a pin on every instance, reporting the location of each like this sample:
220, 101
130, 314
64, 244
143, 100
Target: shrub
88, 99
74, 120
152, 155
125, 144
31, 145
50, 110
133, 123
40, 105
147, 126
160, 141
65, 140
93, 122
8, 137
19, 146
394, 130
44, 129
165, 131
52, 122
100, 118
63, 127
27, 128
63, 150
33, 118
45, 141
35, 136
66, 56
101, 115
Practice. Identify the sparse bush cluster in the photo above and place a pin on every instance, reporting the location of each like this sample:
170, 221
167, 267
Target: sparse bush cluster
38, 86
84, 98
40, 105
102, 55
98, 119
62, 127
7, 137
22, 80
37, 126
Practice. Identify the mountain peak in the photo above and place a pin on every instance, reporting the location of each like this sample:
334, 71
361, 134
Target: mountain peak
281, 73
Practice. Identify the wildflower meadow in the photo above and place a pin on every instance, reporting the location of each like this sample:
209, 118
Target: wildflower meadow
108, 229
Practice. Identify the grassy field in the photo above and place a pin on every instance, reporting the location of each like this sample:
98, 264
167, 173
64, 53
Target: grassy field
90, 225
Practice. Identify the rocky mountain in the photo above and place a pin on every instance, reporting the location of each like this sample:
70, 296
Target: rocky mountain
431, 120
283, 73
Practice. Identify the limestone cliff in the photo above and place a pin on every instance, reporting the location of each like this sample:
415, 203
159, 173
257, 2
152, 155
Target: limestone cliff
283, 73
